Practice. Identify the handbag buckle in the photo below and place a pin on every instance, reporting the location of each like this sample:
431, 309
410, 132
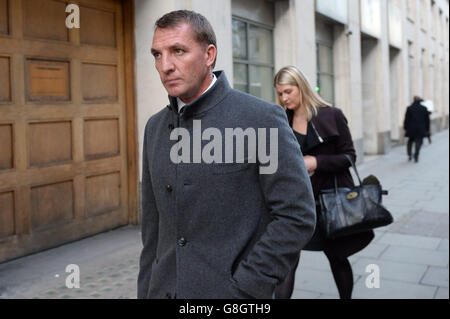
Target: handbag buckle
352, 195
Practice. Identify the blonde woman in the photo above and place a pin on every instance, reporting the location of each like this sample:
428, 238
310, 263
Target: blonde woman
325, 139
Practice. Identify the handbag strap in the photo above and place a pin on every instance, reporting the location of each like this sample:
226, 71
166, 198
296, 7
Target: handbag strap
354, 168
348, 157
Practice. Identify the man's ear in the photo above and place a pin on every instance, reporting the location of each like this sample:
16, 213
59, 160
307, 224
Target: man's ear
211, 53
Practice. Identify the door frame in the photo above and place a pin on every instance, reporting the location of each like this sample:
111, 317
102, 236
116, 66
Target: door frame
131, 111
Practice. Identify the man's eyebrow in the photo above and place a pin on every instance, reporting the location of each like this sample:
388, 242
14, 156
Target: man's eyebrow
178, 45
174, 46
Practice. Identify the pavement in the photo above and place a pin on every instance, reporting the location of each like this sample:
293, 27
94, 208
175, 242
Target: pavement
408, 259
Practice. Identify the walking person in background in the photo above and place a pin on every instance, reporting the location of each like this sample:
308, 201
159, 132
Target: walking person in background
417, 126
325, 140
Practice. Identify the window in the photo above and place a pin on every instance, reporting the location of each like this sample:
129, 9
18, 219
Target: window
325, 72
253, 59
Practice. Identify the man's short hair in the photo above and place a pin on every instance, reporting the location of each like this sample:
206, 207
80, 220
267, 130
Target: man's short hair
203, 31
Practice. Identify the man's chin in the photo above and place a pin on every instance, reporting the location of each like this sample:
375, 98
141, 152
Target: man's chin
175, 92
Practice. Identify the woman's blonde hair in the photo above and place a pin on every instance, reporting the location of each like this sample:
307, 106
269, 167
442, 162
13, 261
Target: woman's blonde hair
310, 99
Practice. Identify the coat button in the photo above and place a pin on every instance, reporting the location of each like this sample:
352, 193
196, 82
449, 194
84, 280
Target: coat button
182, 241
169, 188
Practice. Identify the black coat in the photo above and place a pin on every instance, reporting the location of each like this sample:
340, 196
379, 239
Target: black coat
417, 121
329, 139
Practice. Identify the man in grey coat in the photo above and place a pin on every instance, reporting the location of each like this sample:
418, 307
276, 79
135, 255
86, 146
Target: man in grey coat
218, 220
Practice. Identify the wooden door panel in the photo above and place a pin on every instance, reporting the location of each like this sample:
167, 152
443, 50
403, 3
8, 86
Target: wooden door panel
5, 79
92, 33
51, 204
63, 138
45, 19
4, 21
7, 214
47, 81
99, 83
102, 193
97, 144
50, 143
6, 146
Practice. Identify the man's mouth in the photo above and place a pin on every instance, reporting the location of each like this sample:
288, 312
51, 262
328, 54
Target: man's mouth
171, 81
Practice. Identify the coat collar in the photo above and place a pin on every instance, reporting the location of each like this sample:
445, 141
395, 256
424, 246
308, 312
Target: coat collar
321, 128
313, 137
325, 122
206, 101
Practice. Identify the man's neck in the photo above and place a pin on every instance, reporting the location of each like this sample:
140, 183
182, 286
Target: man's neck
204, 87
210, 83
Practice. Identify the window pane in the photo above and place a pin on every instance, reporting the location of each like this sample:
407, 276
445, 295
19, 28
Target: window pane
239, 40
326, 87
261, 80
240, 77
325, 57
260, 45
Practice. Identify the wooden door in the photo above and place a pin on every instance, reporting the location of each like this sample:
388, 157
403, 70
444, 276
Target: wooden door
63, 134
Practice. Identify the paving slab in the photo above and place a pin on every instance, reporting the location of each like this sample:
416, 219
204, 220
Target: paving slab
392, 270
106, 259
443, 246
390, 289
374, 250
422, 223
415, 256
436, 276
315, 281
442, 293
328, 296
410, 241
303, 294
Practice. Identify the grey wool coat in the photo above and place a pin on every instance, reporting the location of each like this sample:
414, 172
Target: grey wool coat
221, 230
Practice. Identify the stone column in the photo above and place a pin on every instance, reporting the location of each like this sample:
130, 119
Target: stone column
353, 34
305, 46
375, 75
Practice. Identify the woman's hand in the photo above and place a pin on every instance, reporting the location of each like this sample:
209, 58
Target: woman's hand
310, 163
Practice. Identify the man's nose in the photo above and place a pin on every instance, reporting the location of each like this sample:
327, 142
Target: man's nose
167, 64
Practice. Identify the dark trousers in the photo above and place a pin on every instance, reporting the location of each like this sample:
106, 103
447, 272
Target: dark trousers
342, 273
337, 252
417, 141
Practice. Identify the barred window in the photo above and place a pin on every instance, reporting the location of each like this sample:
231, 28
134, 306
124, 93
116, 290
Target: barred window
253, 65
325, 72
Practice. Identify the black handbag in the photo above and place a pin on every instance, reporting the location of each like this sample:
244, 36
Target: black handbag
345, 211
